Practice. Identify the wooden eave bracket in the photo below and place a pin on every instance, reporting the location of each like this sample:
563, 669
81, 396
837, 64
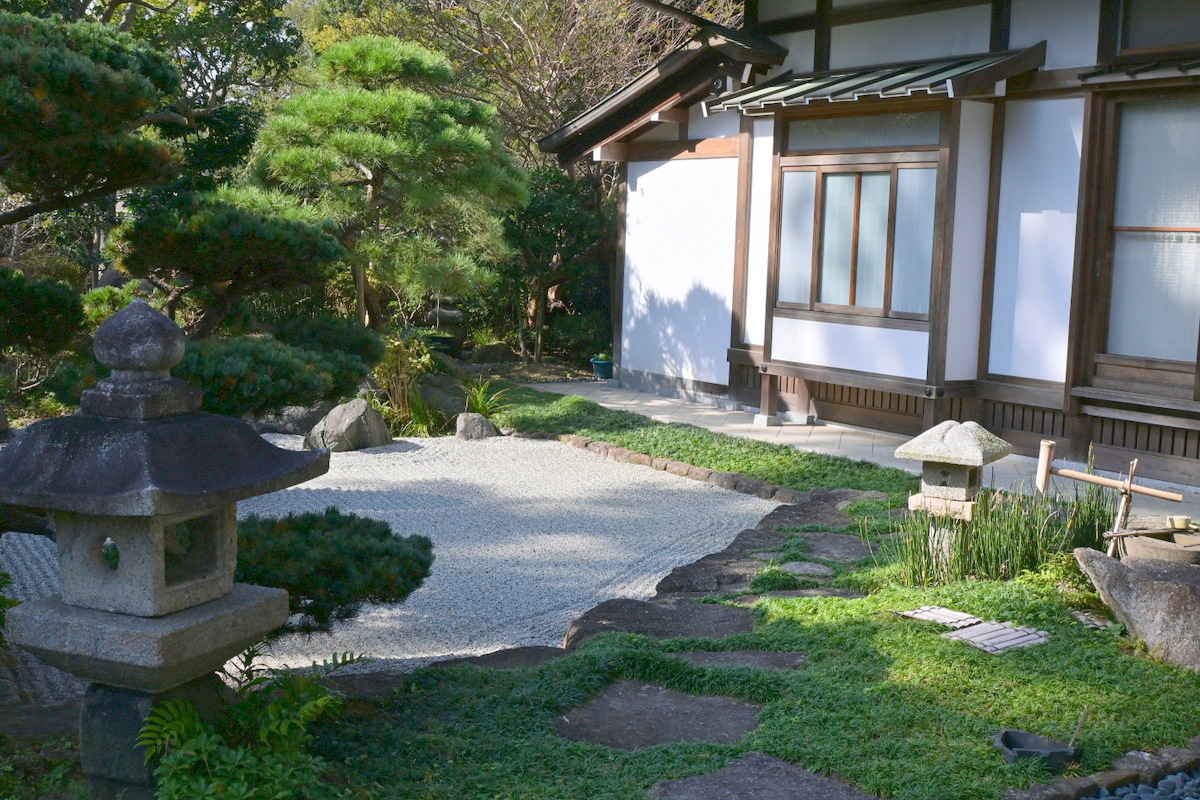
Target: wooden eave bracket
990, 81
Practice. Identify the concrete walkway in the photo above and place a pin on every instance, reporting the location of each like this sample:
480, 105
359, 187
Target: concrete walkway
1013, 472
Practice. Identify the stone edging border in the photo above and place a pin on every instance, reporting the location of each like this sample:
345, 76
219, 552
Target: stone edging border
733, 481
1136, 766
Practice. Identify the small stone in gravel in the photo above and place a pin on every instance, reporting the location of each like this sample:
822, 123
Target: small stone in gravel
629, 715
658, 621
755, 776
759, 659
807, 568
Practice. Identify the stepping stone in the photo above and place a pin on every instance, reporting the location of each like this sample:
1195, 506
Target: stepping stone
770, 555
824, 591
757, 539
629, 715
755, 776
511, 658
725, 571
366, 685
807, 569
659, 621
824, 514
759, 659
996, 637
836, 546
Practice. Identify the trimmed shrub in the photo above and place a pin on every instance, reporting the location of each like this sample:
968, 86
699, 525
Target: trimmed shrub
328, 334
331, 563
254, 375
36, 316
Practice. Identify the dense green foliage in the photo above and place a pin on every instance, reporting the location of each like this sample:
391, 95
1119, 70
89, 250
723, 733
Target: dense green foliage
77, 98
884, 703
327, 334
40, 769
331, 563
542, 412
258, 748
37, 316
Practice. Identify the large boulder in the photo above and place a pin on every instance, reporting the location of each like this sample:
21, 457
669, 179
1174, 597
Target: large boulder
442, 392
475, 426
293, 419
350, 426
1157, 601
494, 353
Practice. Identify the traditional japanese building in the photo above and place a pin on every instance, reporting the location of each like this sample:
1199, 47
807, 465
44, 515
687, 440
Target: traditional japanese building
890, 214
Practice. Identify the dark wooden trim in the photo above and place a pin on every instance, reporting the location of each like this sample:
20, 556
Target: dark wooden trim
890, 249
854, 159
1108, 45
823, 35
853, 286
690, 148
866, 106
1144, 362
1150, 229
744, 356
617, 279
864, 13
991, 237
1000, 25
846, 377
939, 279
741, 252
750, 15
983, 80
1041, 394
768, 393
1143, 417
1136, 400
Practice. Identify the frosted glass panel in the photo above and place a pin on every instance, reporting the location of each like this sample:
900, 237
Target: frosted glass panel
1158, 23
872, 239
1155, 295
912, 258
837, 239
877, 130
1158, 165
796, 236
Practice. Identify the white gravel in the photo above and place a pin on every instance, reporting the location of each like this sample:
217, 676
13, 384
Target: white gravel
527, 536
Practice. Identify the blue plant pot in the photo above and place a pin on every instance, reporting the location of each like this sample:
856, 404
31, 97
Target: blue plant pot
602, 369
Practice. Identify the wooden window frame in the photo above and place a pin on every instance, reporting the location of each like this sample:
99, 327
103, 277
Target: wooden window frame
1112, 50
1096, 264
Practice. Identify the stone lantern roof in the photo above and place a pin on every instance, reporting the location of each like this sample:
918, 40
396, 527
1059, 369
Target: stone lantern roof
966, 444
140, 446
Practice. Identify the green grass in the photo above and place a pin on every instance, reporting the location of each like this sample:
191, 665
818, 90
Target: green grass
40, 770
542, 412
885, 703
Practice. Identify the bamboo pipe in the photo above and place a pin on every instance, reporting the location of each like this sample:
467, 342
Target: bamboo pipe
1046, 469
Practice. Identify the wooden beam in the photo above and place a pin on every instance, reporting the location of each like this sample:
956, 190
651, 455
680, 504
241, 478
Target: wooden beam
616, 281
983, 81
1108, 47
1000, 25
613, 151
824, 35
689, 148
675, 13
749, 15
679, 116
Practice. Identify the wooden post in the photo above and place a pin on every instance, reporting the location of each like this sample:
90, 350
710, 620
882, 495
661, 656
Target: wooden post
768, 404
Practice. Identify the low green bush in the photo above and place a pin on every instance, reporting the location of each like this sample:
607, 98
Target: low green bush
328, 334
253, 375
331, 563
260, 746
481, 398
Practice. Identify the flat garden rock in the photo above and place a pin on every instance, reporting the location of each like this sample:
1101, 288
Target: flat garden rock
511, 658
836, 546
757, 539
759, 659
629, 715
659, 621
725, 571
807, 569
823, 591
814, 512
366, 685
755, 776
770, 555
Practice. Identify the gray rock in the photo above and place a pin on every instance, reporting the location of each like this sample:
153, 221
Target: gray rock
837, 546
724, 571
366, 685
351, 426
494, 353
296, 420
1157, 601
474, 426
807, 569
510, 658
758, 539
629, 715
758, 659
1148, 766
820, 513
442, 393
755, 776
658, 621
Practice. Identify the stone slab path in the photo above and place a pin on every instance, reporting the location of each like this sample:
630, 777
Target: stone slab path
755, 776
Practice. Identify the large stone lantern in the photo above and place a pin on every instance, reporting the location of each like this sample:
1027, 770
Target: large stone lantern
143, 490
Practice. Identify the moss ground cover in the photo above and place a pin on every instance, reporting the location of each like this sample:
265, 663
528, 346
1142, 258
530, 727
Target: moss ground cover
46, 769
886, 703
542, 412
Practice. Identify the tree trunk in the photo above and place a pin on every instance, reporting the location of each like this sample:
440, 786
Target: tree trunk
539, 320
360, 293
212, 316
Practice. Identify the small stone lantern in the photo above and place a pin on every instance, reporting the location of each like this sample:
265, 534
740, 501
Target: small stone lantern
143, 490
953, 455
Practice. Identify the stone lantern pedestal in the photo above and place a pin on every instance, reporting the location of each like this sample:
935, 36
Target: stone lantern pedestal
143, 490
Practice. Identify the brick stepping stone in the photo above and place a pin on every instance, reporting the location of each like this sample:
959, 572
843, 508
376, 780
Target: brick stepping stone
629, 715
755, 776
824, 591
759, 659
659, 620
807, 569
510, 658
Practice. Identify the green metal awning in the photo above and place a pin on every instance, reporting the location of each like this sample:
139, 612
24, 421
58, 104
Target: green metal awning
961, 76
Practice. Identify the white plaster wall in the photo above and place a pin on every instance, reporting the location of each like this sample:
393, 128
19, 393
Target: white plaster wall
1071, 29
884, 351
664, 132
1035, 242
760, 230
679, 237
970, 241
801, 46
725, 125
957, 31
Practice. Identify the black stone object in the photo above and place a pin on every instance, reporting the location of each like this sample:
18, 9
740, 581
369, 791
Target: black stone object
1015, 745
140, 446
